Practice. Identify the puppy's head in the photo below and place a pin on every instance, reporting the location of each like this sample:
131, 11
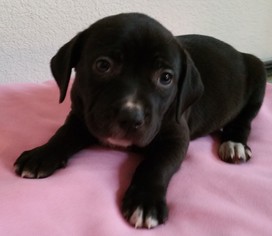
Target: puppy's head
131, 75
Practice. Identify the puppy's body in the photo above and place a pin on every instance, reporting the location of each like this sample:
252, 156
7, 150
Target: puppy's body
138, 85
229, 79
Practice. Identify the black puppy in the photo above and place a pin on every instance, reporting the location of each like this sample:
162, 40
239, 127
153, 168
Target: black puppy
139, 86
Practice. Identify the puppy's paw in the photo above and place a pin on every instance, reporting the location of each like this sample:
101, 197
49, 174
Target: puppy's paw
144, 209
233, 152
38, 163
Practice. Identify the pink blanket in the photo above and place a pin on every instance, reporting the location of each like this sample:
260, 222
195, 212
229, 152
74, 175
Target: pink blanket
206, 197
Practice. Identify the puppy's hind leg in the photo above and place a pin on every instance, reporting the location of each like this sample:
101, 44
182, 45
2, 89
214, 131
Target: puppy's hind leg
233, 148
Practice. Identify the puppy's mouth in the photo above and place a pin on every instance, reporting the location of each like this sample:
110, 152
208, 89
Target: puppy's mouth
111, 132
117, 143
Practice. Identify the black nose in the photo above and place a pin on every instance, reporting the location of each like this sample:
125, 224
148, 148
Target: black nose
131, 117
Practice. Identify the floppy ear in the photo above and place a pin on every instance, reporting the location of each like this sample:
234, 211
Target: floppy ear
190, 87
62, 63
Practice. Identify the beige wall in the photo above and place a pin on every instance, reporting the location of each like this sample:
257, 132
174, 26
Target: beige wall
31, 31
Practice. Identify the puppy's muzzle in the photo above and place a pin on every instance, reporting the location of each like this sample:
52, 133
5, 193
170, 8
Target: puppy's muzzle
131, 116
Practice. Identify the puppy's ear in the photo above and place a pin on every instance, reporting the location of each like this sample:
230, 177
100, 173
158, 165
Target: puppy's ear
190, 87
62, 63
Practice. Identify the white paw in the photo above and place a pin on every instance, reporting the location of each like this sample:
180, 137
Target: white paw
27, 174
234, 152
138, 220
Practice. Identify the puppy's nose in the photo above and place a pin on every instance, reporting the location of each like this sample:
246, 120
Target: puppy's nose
131, 117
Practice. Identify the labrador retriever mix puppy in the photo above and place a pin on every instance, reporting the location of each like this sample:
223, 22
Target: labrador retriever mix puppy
137, 86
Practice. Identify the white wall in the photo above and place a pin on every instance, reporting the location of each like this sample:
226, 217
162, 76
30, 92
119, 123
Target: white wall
31, 31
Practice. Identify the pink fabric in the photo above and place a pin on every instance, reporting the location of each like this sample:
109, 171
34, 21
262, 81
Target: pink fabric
206, 197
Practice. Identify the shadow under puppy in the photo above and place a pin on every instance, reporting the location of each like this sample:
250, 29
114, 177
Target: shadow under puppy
139, 86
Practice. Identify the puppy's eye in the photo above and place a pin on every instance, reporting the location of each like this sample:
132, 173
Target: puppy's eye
165, 78
103, 65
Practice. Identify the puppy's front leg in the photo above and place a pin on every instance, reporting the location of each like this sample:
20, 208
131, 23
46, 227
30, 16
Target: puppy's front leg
144, 204
42, 161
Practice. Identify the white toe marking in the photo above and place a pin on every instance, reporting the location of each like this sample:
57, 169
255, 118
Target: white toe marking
248, 152
151, 222
232, 152
41, 175
27, 174
136, 218
240, 151
232, 149
226, 149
